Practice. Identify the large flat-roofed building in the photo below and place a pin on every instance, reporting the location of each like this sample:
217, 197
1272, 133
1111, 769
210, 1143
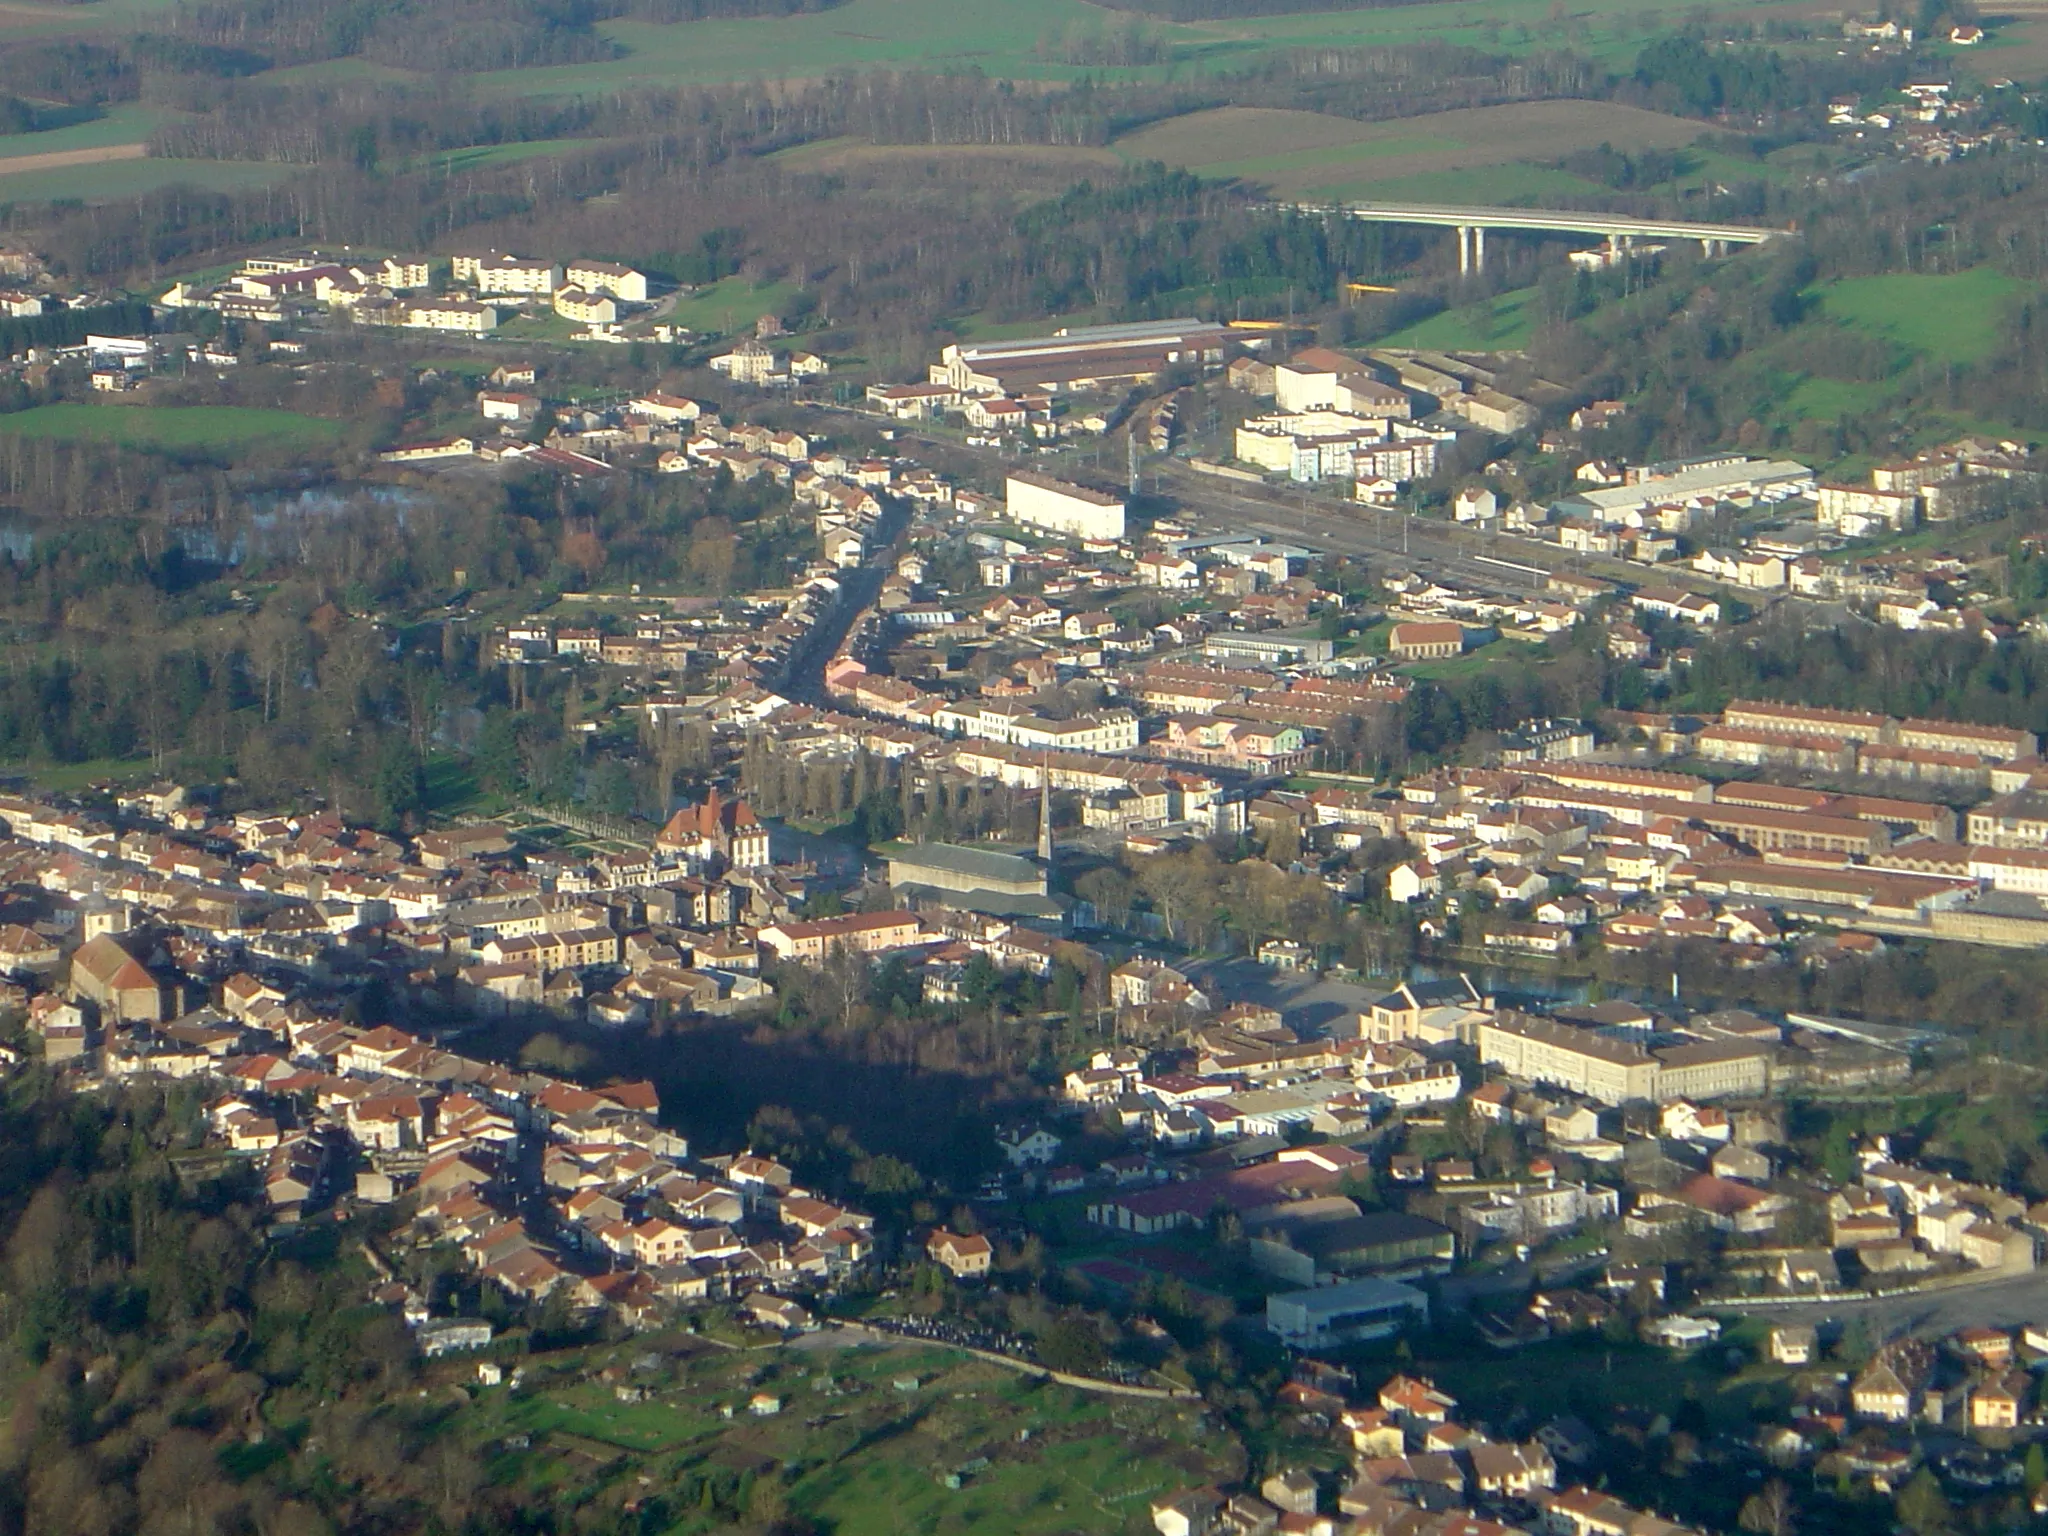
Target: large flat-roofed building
1273, 647
951, 867
1057, 506
1763, 480
1387, 1242
1327, 1315
1081, 357
1713, 1069
1565, 1056
971, 880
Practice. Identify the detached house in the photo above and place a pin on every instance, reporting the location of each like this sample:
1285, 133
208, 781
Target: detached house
964, 1257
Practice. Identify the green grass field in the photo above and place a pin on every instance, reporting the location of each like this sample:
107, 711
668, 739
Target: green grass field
1815, 399
1500, 324
130, 178
999, 37
729, 305
868, 1457
1485, 185
1003, 37
1325, 159
71, 778
1462, 666
1493, 154
455, 161
172, 427
126, 124
1958, 318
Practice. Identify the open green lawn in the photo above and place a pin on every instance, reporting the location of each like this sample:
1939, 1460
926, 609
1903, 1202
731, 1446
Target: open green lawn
171, 426
730, 304
1500, 324
1957, 317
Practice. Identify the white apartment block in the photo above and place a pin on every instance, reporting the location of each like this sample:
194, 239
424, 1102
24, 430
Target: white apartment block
497, 273
451, 315
622, 283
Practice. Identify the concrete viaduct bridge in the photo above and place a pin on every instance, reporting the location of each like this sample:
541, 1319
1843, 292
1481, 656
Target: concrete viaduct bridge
1472, 223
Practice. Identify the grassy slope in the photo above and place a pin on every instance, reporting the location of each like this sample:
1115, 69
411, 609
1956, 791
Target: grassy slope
1482, 185
1500, 324
127, 124
1496, 154
1955, 317
729, 304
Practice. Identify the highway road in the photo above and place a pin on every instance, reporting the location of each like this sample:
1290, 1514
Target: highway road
1561, 221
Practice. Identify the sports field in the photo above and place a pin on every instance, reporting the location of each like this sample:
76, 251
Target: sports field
173, 427
1313, 154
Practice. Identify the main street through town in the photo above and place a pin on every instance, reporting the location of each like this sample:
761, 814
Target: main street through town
2003, 1302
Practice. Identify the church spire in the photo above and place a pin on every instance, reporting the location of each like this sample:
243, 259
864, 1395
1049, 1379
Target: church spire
1044, 811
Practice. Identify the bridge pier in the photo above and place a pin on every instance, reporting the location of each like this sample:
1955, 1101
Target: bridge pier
1471, 249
